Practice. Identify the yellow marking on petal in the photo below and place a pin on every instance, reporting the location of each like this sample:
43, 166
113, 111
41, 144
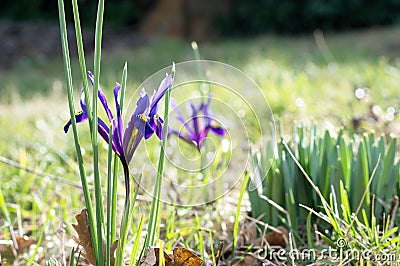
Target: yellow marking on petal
214, 124
132, 139
143, 117
79, 112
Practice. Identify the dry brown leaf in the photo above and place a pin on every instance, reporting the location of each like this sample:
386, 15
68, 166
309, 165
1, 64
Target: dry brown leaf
186, 257
112, 251
24, 242
7, 249
278, 238
167, 258
84, 239
181, 257
150, 258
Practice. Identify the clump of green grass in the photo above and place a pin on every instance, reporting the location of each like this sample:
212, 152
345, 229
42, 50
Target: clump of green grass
330, 160
348, 184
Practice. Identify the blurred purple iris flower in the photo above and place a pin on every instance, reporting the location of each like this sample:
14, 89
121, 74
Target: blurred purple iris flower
144, 122
197, 125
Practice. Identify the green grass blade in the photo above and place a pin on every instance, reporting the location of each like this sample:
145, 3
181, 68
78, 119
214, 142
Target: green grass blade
68, 77
81, 55
309, 227
135, 246
125, 225
239, 204
72, 257
160, 172
6, 214
109, 198
39, 242
95, 144
201, 241
387, 170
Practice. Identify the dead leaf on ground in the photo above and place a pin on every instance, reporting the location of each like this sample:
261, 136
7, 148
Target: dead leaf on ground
275, 238
84, 239
7, 248
150, 258
24, 242
186, 257
180, 257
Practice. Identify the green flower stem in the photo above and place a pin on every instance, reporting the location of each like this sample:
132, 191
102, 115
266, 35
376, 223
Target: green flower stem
68, 77
109, 198
97, 180
81, 55
155, 204
116, 162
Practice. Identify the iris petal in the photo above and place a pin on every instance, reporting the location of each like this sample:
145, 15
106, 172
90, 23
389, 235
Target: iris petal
162, 89
142, 104
180, 117
83, 101
216, 129
104, 102
79, 117
91, 77
118, 109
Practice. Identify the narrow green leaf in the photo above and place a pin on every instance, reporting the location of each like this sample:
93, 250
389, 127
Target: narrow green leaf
239, 204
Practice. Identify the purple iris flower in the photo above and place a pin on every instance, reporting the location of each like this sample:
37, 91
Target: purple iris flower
197, 125
143, 123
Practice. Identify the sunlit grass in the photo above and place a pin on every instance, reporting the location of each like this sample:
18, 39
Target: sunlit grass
298, 78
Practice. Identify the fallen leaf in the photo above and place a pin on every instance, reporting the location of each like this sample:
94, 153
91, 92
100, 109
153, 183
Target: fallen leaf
112, 251
181, 257
84, 239
24, 242
150, 258
167, 258
7, 249
186, 257
275, 238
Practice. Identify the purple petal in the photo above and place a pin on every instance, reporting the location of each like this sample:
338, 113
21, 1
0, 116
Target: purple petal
118, 109
116, 141
201, 137
162, 89
83, 101
195, 119
131, 140
142, 104
148, 131
104, 102
91, 77
103, 131
182, 136
216, 129
180, 117
79, 117
159, 127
